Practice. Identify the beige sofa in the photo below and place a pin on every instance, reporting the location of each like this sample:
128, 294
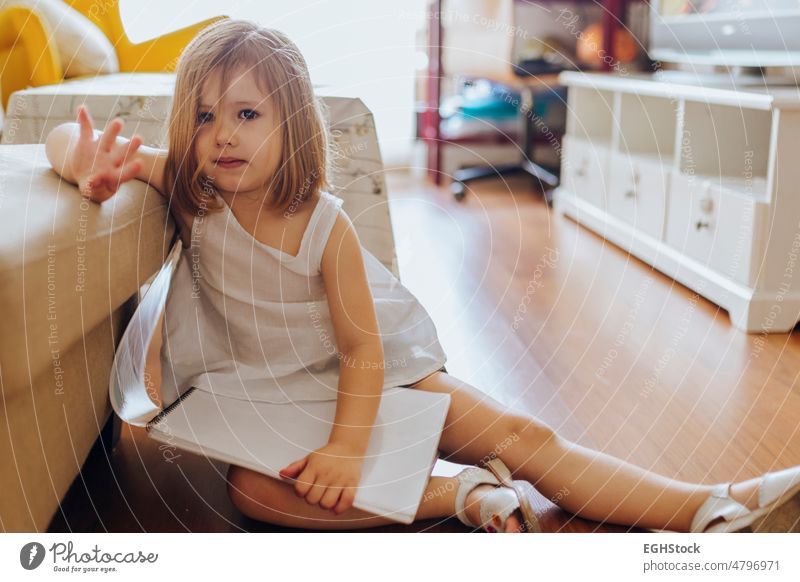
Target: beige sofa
69, 273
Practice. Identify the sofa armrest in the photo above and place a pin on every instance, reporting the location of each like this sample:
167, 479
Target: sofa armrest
66, 264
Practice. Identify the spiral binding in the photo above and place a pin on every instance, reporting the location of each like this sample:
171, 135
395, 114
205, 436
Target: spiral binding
169, 408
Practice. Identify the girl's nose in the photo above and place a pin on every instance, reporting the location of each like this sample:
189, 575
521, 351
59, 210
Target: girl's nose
226, 134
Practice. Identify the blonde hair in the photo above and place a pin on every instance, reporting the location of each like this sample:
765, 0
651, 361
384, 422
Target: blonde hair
278, 65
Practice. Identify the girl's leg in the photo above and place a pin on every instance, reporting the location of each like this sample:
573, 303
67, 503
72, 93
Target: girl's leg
266, 499
589, 483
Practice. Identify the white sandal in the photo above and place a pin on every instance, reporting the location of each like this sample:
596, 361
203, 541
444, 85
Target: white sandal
778, 507
498, 505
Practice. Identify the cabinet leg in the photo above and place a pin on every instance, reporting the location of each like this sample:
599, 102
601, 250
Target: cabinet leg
765, 315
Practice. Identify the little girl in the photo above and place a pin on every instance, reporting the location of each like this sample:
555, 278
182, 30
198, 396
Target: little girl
271, 264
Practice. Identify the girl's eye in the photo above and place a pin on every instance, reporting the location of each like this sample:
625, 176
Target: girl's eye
248, 114
205, 117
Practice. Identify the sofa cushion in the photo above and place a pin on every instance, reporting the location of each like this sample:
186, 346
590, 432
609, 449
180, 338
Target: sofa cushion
66, 263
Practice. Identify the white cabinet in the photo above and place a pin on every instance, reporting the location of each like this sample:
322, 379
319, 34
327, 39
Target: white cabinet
584, 169
703, 182
638, 193
715, 227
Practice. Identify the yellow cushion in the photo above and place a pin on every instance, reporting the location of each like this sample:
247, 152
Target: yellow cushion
82, 46
27, 57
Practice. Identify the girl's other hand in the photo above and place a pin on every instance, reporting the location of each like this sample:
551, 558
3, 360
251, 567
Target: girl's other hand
328, 476
98, 163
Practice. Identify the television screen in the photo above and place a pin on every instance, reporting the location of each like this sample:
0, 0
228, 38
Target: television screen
726, 7
758, 33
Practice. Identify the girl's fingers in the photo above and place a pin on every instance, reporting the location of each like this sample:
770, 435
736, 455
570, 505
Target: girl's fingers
87, 187
85, 122
120, 176
304, 483
346, 500
330, 498
129, 171
95, 188
315, 493
110, 133
293, 469
127, 150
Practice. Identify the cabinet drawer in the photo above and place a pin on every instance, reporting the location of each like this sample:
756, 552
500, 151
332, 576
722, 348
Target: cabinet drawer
584, 169
637, 192
713, 225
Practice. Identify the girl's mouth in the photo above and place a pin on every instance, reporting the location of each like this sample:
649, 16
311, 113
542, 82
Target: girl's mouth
229, 163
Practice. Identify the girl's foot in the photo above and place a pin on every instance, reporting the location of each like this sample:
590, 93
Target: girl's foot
482, 501
513, 522
770, 503
746, 492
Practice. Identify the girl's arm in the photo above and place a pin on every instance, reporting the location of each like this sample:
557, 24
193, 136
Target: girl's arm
330, 476
98, 162
358, 339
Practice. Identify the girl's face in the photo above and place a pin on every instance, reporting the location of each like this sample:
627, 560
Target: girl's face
238, 141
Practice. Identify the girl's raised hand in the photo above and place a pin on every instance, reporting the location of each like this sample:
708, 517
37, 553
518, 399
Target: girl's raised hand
99, 164
328, 476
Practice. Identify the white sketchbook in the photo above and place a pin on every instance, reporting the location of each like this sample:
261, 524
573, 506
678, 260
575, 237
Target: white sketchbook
266, 437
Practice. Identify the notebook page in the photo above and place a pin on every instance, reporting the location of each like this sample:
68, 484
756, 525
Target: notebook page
127, 389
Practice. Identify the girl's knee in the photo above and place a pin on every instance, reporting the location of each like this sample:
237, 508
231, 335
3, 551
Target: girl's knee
532, 431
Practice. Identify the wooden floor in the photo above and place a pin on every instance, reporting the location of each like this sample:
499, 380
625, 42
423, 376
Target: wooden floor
549, 319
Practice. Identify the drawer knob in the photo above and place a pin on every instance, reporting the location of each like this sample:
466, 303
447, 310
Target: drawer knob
701, 225
630, 193
707, 205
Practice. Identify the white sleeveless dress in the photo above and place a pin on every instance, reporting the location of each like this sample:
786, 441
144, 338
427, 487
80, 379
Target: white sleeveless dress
249, 321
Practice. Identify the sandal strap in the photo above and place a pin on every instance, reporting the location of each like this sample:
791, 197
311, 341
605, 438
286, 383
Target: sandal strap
499, 469
775, 485
718, 505
469, 479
